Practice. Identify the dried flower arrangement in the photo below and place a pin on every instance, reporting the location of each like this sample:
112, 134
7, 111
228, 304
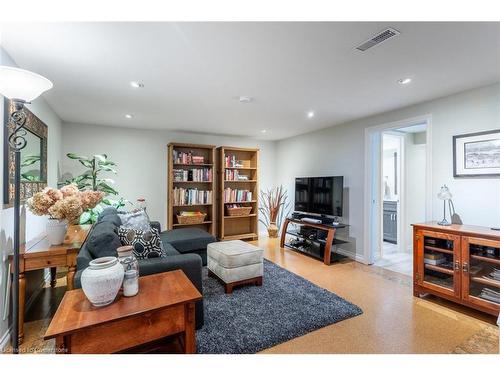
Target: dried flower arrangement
274, 206
67, 203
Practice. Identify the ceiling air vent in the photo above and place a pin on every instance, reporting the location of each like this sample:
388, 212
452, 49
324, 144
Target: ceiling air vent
377, 39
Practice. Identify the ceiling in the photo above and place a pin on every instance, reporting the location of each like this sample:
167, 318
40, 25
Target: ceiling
194, 72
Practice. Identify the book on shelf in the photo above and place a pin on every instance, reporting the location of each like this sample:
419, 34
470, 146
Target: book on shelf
433, 256
494, 276
195, 174
230, 161
490, 295
234, 175
181, 157
237, 195
183, 196
435, 262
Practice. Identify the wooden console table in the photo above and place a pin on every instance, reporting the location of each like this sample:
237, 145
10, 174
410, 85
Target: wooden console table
163, 307
331, 229
38, 254
456, 262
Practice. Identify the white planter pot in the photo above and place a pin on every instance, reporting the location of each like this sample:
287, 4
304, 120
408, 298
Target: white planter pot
102, 280
56, 231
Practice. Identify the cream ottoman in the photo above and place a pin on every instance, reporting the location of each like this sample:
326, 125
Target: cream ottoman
235, 263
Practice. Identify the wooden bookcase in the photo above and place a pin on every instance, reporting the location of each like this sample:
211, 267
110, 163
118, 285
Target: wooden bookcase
208, 154
243, 227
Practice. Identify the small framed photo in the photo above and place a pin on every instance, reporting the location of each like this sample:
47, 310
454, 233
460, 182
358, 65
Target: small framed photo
477, 154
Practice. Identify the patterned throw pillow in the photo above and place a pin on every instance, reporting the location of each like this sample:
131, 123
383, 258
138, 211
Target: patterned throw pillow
138, 220
147, 244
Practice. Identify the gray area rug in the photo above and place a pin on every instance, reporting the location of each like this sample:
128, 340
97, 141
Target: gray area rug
253, 318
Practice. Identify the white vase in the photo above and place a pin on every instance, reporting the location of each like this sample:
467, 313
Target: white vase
56, 231
102, 280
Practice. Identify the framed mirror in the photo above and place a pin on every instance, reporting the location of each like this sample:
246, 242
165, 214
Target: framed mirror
33, 156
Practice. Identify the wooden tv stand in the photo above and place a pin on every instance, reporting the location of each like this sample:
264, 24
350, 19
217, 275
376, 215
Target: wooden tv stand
468, 255
331, 229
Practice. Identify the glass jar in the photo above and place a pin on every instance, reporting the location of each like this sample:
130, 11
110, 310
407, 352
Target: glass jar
131, 268
141, 204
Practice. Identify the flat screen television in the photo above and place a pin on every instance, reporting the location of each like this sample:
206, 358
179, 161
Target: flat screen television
319, 195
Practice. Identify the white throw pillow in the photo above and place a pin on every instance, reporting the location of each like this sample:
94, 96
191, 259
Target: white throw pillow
137, 220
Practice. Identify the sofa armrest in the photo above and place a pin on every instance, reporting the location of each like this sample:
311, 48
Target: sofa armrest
155, 225
189, 263
77, 282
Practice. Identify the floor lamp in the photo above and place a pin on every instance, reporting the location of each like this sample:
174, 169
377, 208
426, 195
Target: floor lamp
20, 86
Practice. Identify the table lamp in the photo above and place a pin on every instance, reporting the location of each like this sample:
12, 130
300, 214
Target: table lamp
445, 195
21, 86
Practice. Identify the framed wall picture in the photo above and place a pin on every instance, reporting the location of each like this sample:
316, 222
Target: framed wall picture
477, 154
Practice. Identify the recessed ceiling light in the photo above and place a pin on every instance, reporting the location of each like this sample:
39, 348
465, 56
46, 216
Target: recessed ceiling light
263, 131
404, 81
245, 99
136, 84
128, 116
310, 114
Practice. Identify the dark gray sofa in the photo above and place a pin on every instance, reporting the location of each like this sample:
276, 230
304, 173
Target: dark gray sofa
185, 249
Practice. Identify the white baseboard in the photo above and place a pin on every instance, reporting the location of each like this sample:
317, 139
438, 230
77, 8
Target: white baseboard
5, 340
355, 256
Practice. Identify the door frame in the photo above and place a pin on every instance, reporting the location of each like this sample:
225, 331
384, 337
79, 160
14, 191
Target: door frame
373, 209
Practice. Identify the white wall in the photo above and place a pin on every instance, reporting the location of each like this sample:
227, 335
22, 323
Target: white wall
31, 225
141, 157
415, 158
339, 150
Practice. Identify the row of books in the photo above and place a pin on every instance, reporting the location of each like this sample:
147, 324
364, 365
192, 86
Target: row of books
495, 275
231, 162
237, 195
490, 295
203, 174
234, 175
183, 196
181, 157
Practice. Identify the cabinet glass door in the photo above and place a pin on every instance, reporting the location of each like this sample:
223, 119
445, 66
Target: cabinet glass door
481, 271
440, 264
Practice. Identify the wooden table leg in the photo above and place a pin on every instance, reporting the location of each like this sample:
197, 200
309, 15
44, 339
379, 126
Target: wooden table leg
70, 277
53, 277
22, 295
283, 232
189, 331
328, 246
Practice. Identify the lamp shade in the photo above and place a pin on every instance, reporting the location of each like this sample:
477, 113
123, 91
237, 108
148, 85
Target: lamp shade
444, 193
22, 84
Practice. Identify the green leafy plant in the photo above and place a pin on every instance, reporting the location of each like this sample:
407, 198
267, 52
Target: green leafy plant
91, 180
26, 162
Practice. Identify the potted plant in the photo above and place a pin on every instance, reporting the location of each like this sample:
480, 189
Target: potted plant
91, 179
63, 206
274, 207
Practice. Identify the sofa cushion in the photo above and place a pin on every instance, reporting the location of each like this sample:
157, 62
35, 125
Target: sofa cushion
169, 249
110, 218
103, 240
234, 254
147, 244
186, 240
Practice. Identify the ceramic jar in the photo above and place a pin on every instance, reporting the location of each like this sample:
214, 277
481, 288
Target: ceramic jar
102, 280
56, 231
272, 230
131, 268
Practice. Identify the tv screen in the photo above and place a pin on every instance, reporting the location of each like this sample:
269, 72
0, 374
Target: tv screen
319, 195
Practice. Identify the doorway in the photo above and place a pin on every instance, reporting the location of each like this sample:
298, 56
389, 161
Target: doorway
397, 191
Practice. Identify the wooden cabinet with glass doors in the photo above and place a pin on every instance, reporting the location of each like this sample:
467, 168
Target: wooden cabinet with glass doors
458, 262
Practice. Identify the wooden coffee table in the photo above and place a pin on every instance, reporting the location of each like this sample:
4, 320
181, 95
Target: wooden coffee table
163, 307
